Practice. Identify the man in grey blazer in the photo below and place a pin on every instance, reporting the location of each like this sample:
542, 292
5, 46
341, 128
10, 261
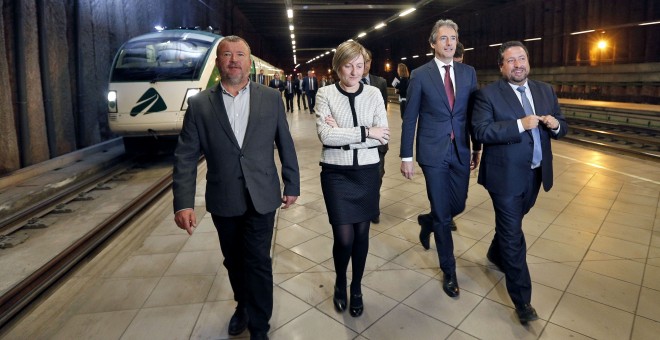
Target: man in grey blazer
515, 118
234, 125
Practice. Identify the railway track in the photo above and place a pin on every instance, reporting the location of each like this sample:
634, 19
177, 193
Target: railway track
17, 297
636, 141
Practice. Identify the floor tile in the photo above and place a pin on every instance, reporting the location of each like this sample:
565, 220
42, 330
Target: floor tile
318, 249
552, 332
606, 290
145, 265
294, 235
645, 329
492, 320
180, 290
108, 325
395, 284
625, 270
649, 304
206, 262
431, 300
375, 306
388, 247
172, 322
544, 298
118, 294
311, 287
307, 326
404, 322
591, 318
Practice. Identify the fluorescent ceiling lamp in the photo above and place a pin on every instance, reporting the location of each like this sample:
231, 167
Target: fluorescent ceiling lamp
429, 54
381, 25
649, 23
327, 52
293, 42
293, 36
469, 49
289, 13
493, 45
404, 58
587, 31
416, 56
408, 11
362, 34
532, 39
290, 27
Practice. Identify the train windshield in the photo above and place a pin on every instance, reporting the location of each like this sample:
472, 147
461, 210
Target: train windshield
161, 58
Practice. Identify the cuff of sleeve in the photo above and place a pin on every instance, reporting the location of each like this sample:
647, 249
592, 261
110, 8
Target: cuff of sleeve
520, 126
363, 132
406, 159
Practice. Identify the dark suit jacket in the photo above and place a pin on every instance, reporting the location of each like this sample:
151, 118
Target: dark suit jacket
279, 86
381, 84
235, 170
285, 88
305, 84
507, 155
428, 109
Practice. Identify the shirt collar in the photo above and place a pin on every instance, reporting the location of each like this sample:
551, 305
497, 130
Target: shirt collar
241, 91
440, 63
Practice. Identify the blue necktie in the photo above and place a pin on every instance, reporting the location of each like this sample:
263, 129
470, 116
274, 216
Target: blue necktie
538, 154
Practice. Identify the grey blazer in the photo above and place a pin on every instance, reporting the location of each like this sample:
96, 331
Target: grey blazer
234, 172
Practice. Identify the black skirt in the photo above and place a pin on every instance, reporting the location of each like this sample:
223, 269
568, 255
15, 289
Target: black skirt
351, 195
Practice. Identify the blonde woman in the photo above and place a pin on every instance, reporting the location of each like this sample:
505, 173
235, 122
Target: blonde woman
351, 123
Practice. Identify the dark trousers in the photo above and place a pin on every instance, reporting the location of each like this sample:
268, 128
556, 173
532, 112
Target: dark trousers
402, 107
311, 99
508, 248
289, 101
304, 99
446, 187
245, 243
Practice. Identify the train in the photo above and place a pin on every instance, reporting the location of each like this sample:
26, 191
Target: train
152, 77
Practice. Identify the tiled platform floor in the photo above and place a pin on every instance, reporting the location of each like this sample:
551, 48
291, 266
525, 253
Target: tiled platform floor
594, 256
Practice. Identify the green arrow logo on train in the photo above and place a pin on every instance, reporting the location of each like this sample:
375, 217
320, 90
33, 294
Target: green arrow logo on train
151, 101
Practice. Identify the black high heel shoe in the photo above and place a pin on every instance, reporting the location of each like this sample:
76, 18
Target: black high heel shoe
339, 299
357, 306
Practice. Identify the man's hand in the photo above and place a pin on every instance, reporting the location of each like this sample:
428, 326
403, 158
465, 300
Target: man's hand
474, 162
288, 200
530, 122
407, 169
550, 121
186, 220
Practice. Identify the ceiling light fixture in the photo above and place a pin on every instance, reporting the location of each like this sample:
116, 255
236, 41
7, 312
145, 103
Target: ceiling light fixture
408, 11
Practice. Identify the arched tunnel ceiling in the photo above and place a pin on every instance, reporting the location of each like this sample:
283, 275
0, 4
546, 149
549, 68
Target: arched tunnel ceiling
320, 25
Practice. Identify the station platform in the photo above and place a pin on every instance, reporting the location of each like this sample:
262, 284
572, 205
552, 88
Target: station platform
593, 252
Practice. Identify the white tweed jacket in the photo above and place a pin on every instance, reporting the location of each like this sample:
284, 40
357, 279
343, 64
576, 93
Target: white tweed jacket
347, 145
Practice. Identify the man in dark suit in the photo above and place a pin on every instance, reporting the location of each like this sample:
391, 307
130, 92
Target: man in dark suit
234, 125
261, 77
289, 91
381, 84
276, 83
439, 97
298, 82
310, 86
427, 219
515, 118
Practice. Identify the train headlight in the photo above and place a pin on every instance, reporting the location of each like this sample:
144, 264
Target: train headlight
112, 101
189, 93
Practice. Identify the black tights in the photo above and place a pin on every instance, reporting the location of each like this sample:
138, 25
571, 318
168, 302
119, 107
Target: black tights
351, 240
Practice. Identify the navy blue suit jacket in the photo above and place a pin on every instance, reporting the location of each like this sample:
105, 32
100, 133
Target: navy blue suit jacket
428, 109
507, 155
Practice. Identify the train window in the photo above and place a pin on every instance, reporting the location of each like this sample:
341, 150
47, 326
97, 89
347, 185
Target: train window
169, 58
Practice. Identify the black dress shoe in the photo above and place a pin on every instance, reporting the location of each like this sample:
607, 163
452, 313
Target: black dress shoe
376, 219
450, 285
339, 300
259, 336
424, 233
453, 226
357, 306
526, 313
238, 322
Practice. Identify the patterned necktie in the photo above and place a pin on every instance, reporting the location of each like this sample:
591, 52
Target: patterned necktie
311, 84
527, 106
364, 81
449, 87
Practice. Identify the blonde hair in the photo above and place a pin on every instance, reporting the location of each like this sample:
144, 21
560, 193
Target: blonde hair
347, 51
402, 70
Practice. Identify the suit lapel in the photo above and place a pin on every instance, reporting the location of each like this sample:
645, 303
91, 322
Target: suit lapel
256, 94
539, 105
221, 113
511, 99
436, 80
